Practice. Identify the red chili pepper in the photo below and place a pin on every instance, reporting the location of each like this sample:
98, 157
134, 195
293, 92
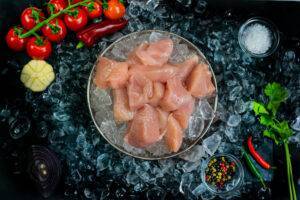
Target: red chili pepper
256, 155
89, 35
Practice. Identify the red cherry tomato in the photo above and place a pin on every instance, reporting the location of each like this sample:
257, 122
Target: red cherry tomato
76, 19
56, 6
55, 31
31, 16
13, 40
93, 10
38, 48
114, 9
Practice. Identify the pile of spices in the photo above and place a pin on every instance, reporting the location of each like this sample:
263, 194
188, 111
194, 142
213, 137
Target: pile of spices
220, 171
257, 38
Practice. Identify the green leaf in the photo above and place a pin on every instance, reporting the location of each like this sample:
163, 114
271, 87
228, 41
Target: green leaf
270, 134
284, 130
277, 94
259, 108
266, 120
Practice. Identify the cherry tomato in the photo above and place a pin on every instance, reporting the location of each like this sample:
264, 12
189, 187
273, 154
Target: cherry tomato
13, 40
55, 31
39, 49
31, 16
93, 10
114, 9
56, 6
76, 19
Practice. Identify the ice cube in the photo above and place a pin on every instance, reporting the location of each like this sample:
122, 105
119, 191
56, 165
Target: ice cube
235, 93
207, 195
204, 110
180, 53
211, 143
195, 128
132, 178
102, 97
186, 180
104, 113
156, 36
234, 120
132, 149
296, 124
195, 154
109, 129
199, 190
191, 166
155, 193
232, 133
103, 161
158, 149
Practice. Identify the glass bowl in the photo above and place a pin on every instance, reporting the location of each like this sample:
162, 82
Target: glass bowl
230, 187
101, 108
275, 38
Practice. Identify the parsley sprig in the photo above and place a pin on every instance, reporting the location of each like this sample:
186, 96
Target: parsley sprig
277, 130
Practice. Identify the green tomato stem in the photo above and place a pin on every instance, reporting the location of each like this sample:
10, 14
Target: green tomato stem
79, 45
292, 191
46, 21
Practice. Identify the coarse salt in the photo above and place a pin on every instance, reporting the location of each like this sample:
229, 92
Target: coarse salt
257, 38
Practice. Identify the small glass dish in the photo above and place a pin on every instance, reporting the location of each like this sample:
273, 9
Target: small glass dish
233, 184
274, 34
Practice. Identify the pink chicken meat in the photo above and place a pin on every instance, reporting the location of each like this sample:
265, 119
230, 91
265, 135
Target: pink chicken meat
174, 134
111, 74
154, 54
144, 128
121, 108
199, 83
183, 113
140, 90
175, 95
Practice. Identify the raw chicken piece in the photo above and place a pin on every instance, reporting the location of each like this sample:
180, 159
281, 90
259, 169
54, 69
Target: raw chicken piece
156, 54
187, 66
162, 74
163, 119
132, 57
144, 128
139, 90
183, 113
110, 73
174, 134
122, 111
175, 95
199, 83
158, 93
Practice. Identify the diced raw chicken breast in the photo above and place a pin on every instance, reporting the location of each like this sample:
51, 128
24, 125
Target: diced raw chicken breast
132, 57
121, 108
199, 83
162, 74
187, 66
183, 113
144, 128
163, 119
110, 73
174, 134
139, 90
156, 54
175, 95
158, 93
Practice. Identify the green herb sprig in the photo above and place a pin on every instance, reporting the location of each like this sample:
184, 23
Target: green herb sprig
277, 130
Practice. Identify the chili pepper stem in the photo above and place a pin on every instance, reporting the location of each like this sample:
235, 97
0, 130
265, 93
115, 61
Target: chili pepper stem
46, 21
79, 45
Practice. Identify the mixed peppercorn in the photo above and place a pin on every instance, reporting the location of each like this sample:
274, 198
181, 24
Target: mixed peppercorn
220, 171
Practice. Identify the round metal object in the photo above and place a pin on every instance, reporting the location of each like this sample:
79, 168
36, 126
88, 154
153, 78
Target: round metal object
137, 37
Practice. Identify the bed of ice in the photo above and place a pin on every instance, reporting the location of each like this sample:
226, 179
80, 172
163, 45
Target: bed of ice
102, 108
94, 169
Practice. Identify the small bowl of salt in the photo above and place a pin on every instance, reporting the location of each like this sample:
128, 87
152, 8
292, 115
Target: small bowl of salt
258, 37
